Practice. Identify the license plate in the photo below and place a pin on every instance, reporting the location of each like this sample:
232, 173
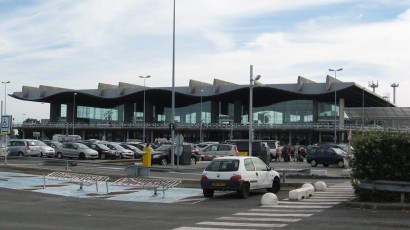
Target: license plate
218, 184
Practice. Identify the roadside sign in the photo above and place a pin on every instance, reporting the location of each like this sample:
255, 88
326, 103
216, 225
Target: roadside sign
6, 123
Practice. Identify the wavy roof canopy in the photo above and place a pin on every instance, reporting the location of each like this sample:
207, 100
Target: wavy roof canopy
107, 95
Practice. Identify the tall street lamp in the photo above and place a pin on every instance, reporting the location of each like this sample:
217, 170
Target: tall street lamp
5, 84
332, 70
143, 115
173, 92
75, 94
253, 82
200, 122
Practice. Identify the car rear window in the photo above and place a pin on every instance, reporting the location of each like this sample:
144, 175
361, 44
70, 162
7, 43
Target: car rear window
225, 165
32, 143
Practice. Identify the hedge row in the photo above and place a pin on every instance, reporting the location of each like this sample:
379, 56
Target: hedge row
380, 155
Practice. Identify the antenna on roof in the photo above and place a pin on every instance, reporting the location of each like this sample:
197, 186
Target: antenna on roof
374, 85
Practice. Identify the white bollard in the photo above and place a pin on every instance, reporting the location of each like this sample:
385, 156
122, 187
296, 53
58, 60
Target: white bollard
301, 193
308, 185
319, 186
269, 199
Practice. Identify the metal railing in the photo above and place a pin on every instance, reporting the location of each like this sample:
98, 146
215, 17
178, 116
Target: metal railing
113, 125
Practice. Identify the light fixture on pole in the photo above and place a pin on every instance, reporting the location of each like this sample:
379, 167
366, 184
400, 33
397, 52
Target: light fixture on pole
75, 94
200, 120
143, 115
253, 82
363, 107
394, 85
5, 90
332, 70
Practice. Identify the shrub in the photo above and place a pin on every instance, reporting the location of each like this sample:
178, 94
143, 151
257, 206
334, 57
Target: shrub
380, 155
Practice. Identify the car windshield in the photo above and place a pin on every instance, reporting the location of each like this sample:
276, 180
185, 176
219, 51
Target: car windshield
82, 146
117, 146
223, 165
40, 143
339, 152
163, 147
103, 147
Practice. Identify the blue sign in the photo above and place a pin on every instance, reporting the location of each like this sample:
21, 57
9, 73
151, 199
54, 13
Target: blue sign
6, 123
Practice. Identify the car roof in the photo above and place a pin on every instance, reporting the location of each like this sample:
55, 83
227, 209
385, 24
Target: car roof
234, 157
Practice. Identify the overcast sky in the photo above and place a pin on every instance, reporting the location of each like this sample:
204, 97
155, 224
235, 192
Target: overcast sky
76, 44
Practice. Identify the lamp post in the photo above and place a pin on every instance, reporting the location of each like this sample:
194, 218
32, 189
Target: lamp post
362, 108
143, 115
173, 92
252, 83
5, 84
200, 122
75, 94
332, 70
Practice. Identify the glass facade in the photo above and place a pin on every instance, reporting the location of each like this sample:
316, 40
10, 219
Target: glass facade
289, 112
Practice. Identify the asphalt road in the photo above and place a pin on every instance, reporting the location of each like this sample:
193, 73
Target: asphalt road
29, 210
21, 209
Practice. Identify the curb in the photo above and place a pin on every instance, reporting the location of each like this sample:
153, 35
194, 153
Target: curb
377, 206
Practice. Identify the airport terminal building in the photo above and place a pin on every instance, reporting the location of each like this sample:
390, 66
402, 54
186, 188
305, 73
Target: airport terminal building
306, 112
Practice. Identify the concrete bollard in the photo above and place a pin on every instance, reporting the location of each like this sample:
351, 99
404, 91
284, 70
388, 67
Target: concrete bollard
319, 186
269, 199
301, 193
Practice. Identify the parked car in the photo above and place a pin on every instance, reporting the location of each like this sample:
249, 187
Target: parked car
124, 153
162, 155
23, 147
241, 174
326, 156
103, 151
137, 152
259, 148
219, 150
273, 145
76, 150
45, 150
52, 144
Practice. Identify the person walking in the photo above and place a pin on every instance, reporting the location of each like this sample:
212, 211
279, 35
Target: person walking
297, 152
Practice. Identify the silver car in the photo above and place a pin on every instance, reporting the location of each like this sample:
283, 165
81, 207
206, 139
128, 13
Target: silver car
76, 150
219, 150
45, 150
23, 147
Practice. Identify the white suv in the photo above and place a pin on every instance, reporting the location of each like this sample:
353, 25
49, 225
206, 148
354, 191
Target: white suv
240, 174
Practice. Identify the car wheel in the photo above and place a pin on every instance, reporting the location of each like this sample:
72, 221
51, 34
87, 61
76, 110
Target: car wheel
193, 160
59, 155
208, 193
20, 154
341, 164
275, 185
313, 163
163, 161
103, 156
326, 165
244, 193
81, 156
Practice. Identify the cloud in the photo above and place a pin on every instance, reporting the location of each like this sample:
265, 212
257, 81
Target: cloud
59, 42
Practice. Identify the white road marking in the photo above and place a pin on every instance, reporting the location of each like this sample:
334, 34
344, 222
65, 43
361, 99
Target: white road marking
272, 214
276, 209
242, 224
259, 219
308, 202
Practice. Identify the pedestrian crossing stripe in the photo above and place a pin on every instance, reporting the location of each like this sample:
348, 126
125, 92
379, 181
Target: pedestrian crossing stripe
235, 224
308, 202
284, 210
259, 219
273, 214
